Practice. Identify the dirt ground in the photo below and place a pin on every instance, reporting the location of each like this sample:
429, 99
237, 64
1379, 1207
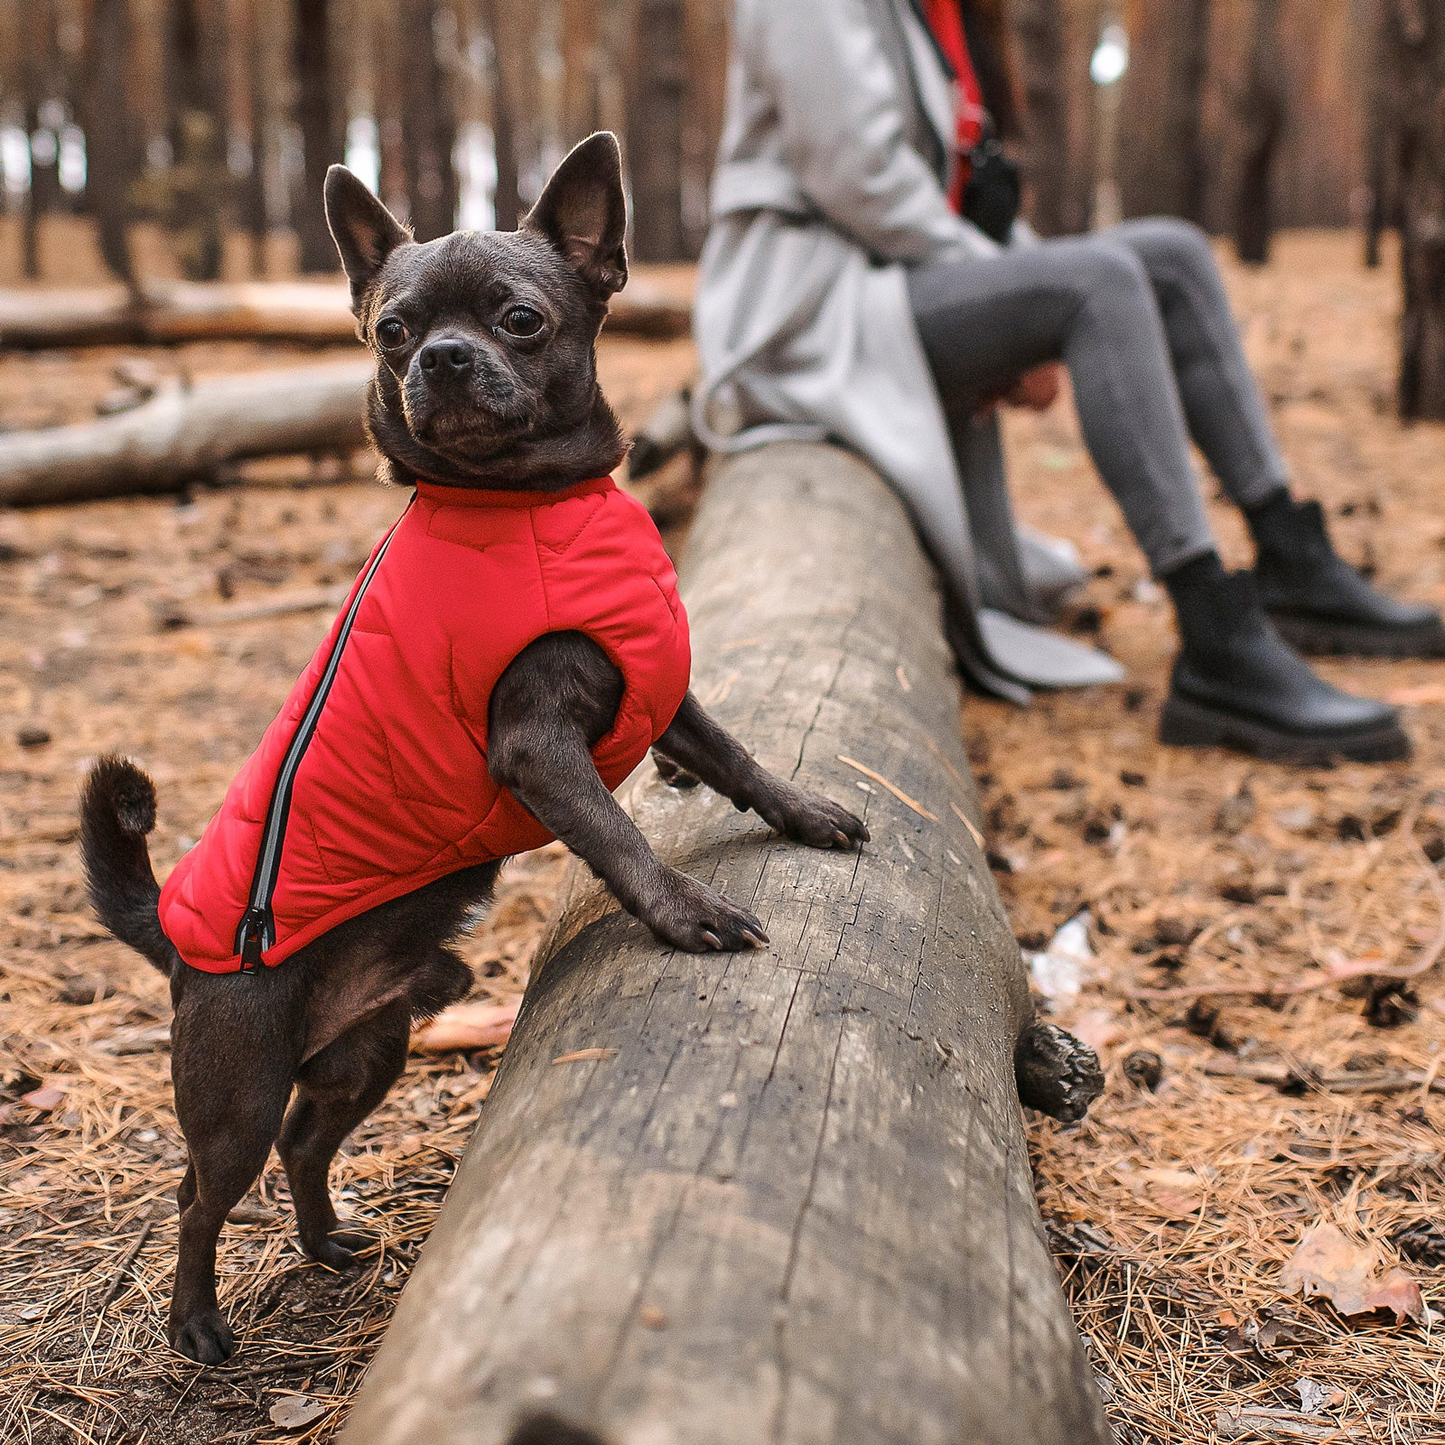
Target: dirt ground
1214, 885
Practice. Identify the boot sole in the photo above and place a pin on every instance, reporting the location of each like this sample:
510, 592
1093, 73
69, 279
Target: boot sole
1321, 637
1185, 723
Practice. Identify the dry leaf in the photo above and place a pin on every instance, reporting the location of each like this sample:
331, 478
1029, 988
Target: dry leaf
583, 1056
1348, 1275
295, 1412
1173, 1193
468, 1026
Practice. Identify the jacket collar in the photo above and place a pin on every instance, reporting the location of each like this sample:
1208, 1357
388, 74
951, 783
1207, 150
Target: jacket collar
499, 497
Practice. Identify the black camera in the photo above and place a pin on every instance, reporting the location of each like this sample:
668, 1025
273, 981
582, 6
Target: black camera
994, 193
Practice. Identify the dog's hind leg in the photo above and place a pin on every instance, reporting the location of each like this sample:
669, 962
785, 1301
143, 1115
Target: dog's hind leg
335, 1090
232, 1062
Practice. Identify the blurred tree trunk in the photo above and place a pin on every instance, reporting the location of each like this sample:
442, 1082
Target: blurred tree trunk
1039, 26
1415, 57
196, 192
40, 67
110, 135
579, 49
508, 201
1183, 129
654, 131
1379, 127
252, 199
428, 123
1162, 159
323, 138
1262, 118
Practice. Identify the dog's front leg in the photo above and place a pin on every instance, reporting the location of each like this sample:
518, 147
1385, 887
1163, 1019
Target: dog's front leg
708, 751
547, 712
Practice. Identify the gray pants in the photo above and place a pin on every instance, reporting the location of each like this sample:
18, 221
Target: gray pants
1139, 315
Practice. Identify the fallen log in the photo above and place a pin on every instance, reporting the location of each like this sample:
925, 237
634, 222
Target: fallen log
780, 1196
297, 311
188, 432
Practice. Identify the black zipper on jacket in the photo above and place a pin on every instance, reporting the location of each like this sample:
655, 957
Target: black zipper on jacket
257, 931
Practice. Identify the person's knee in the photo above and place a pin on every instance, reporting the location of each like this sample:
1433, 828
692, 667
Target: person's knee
1166, 241
1113, 270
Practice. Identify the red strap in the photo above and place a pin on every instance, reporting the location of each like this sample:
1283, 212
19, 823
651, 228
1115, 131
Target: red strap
945, 19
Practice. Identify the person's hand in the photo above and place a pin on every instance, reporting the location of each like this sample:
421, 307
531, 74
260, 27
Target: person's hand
1038, 389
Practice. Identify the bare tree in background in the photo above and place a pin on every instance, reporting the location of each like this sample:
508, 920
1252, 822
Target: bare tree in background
1262, 119
1163, 165
1414, 53
1039, 27
654, 131
110, 135
323, 137
428, 120
1183, 133
508, 201
40, 80
193, 196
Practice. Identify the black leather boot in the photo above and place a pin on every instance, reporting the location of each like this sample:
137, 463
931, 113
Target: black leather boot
1237, 684
1321, 604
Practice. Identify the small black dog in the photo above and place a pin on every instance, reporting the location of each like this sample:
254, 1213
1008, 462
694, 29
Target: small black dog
485, 377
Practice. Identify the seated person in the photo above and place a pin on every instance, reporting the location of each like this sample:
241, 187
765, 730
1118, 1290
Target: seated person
844, 292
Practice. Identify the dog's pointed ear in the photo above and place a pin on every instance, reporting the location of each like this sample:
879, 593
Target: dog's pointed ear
582, 211
365, 232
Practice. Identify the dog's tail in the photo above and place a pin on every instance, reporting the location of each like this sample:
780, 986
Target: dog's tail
117, 810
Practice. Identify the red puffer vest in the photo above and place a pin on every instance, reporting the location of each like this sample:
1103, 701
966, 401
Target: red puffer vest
373, 780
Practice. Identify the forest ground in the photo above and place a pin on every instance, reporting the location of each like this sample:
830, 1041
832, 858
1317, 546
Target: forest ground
1212, 884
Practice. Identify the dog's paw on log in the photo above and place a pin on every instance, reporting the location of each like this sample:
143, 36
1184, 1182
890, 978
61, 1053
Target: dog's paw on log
1056, 1073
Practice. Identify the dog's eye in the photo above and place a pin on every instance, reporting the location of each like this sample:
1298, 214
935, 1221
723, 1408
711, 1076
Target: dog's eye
523, 321
390, 332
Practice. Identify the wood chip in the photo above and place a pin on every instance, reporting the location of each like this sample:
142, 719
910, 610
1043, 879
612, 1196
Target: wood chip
585, 1056
896, 791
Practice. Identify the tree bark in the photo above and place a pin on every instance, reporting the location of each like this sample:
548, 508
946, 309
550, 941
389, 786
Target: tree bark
508, 201
1163, 160
38, 75
309, 311
194, 197
1262, 117
323, 137
428, 124
1039, 25
780, 1196
183, 434
110, 135
654, 132
1416, 49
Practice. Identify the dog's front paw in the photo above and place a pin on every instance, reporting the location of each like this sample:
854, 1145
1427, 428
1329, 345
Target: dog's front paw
204, 1337
690, 916
814, 820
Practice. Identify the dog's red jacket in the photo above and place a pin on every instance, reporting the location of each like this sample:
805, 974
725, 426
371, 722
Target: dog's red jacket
392, 789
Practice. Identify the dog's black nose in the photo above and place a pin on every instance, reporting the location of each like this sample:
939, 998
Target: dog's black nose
447, 359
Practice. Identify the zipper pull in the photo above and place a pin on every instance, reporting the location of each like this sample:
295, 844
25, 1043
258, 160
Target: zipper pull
251, 938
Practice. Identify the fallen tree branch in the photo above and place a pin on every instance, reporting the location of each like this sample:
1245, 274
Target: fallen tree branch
299, 311
184, 433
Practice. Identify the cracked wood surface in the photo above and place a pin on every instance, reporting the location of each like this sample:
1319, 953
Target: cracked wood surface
795, 1204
